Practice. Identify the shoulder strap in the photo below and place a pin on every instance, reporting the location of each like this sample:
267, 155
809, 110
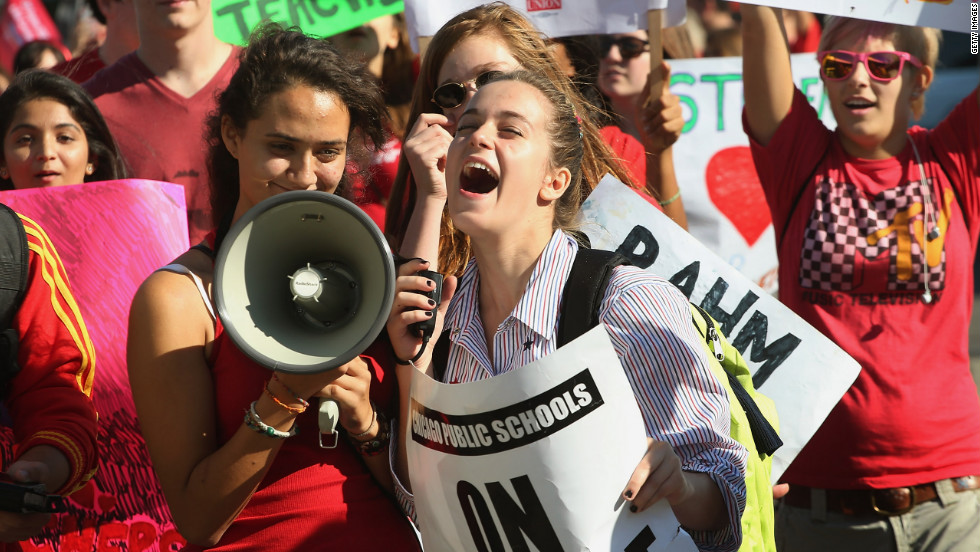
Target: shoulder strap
13, 285
584, 290
13, 265
763, 434
181, 269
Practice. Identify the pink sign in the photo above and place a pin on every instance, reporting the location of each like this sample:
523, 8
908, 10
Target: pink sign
23, 21
110, 237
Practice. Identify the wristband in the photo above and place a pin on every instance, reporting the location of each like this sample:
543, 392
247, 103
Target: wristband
255, 423
374, 418
377, 445
672, 199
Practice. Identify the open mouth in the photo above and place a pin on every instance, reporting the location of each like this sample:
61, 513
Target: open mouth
477, 178
858, 103
43, 174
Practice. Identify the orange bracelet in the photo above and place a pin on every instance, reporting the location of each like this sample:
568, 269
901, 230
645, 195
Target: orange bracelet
296, 396
292, 409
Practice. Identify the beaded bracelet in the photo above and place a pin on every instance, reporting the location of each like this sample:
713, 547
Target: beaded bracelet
295, 395
292, 409
256, 424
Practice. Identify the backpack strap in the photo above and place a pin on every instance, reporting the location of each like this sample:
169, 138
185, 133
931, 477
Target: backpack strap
584, 291
13, 286
765, 436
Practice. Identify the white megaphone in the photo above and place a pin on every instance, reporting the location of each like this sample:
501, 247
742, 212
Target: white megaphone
304, 282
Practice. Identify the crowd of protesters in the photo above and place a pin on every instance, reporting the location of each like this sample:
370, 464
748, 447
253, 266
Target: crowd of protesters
473, 159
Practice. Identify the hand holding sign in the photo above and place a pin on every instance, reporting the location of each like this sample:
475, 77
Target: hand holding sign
661, 118
534, 458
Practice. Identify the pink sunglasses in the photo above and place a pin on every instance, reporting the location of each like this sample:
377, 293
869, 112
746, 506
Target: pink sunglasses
881, 66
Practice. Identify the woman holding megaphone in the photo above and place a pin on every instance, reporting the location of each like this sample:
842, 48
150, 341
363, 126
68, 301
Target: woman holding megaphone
290, 117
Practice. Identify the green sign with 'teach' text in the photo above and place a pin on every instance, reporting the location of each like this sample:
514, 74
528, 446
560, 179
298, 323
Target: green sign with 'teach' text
235, 19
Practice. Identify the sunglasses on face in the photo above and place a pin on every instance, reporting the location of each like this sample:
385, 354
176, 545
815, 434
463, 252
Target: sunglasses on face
629, 46
881, 66
452, 94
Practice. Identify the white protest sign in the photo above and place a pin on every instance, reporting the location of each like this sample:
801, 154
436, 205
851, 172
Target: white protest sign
792, 363
535, 458
949, 15
551, 17
726, 209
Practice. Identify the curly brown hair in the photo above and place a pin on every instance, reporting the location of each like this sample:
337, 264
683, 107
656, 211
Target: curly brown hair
274, 60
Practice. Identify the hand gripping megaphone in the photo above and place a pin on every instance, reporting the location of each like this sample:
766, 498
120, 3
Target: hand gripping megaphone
303, 282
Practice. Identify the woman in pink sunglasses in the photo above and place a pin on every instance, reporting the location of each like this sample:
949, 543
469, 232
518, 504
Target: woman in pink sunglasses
876, 227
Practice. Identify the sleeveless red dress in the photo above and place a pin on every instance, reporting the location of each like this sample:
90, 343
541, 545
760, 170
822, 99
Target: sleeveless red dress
311, 498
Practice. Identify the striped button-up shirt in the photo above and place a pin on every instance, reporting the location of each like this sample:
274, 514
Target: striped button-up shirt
649, 322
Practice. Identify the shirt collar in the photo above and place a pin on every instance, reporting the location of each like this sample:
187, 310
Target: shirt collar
538, 306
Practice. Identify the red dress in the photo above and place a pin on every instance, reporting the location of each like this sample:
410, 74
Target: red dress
311, 498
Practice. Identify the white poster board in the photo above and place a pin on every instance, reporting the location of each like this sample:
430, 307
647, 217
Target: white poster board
726, 209
535, 459
792, 363
552, 17
949, 15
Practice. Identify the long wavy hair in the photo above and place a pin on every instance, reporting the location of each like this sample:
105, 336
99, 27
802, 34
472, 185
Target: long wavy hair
528, 47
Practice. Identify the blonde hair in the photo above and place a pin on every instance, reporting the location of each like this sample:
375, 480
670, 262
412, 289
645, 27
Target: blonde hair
921, 42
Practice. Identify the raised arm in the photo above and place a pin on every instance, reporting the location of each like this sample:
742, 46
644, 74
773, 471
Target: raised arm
766, 71
661, 123
425, 150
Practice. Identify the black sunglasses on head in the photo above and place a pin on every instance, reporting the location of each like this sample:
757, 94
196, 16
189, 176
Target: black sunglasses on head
629, 46
452, 94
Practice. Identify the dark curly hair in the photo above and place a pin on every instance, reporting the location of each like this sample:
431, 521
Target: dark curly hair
276, 59
34, 84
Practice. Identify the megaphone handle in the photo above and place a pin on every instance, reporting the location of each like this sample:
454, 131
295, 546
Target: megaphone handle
328, 417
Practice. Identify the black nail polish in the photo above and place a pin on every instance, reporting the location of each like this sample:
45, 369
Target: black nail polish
428, 313
432, 303
428, 283
628, 493
633, 508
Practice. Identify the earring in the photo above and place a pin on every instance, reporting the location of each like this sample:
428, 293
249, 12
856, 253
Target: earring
89, 169
3, 172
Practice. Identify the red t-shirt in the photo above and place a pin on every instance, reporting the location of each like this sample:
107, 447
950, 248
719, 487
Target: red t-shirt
851, 264
160, 132
629, 151
82, 68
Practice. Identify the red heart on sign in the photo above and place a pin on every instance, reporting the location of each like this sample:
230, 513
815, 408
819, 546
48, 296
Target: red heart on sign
734, 188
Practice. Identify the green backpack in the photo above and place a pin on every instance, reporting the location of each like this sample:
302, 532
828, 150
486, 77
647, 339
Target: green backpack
753, 415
